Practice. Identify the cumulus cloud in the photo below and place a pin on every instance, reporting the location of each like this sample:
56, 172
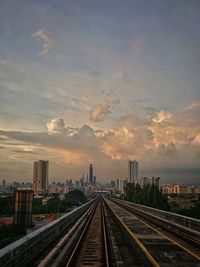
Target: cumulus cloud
99, 112
179, 128
86, 130
162, 116
148, 134
197, 139
44, 38
55, 125
154, 137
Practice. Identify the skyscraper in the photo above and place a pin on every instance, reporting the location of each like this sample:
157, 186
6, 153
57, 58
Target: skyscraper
154, 181
23, 207
144, 181
132, 171
91, 174
40, 176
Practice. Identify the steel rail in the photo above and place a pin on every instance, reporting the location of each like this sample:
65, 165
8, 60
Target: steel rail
50, 257
29, 249
158, 222
105, 236
144, 250
69, 261
84, 233
184, 221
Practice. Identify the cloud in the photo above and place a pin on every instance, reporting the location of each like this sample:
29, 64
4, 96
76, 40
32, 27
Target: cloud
57, 137
179, 128
197, 139
156, 138
3, 138
43, 37
86, 131
162, 116
55, 125
99, 112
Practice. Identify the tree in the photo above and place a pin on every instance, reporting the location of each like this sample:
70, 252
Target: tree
149, 195
6, 205
75, 198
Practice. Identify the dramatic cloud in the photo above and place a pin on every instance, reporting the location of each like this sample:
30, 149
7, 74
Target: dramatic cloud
99, 112
150, 135
154, 137
86, 131
162, 116
133, 56
43, 37
56, 125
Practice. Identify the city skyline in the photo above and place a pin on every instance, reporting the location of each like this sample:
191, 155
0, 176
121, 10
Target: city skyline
102, 82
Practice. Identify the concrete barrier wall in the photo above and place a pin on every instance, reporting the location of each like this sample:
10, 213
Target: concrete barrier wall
26, 250
185, 221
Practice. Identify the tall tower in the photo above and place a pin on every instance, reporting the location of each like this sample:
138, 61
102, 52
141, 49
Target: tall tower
23, 207
132, 171
40, 176
91, 174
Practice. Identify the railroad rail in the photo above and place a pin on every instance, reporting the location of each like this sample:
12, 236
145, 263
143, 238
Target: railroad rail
157, 248
185, 234
26, 250
84, 245
178, 219
106, 232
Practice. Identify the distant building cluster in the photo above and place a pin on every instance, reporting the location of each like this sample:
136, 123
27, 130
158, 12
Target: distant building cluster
88, 183
144, 181
43, 190
41, 181
180, 189
6, 187
41, 185
133, 177
69, 185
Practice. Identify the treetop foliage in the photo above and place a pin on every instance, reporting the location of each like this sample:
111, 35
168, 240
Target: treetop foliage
149, 195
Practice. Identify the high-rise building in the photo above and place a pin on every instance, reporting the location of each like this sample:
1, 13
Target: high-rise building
23, 207
4, 183
154, 181
112, 184
144, 181
133, 171
40, 176
122, 185
91, 174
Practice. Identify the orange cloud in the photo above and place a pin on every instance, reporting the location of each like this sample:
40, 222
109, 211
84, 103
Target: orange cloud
71, 157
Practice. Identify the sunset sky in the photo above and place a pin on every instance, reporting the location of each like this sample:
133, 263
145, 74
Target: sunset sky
102, 82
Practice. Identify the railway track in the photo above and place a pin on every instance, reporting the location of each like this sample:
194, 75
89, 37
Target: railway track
158, 248
186, 237
84, 245
93, 249
110, 234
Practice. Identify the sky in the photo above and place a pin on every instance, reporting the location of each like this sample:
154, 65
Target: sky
100, 82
